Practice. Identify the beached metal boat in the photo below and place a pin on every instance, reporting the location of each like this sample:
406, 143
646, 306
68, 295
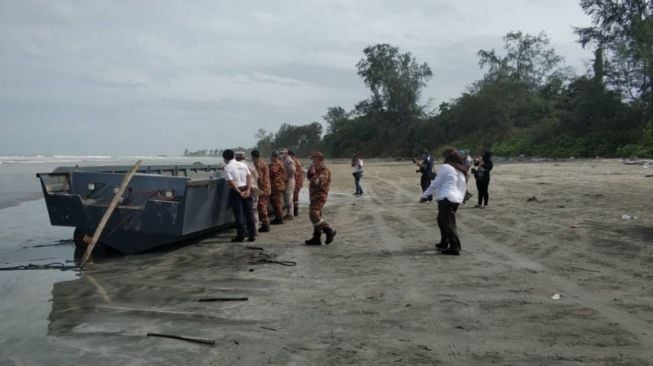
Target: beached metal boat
163, 204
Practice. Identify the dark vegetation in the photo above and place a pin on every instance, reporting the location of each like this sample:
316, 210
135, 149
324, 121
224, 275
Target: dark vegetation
528, 102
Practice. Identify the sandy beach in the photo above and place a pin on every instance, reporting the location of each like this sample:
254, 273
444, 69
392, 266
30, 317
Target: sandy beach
380, 294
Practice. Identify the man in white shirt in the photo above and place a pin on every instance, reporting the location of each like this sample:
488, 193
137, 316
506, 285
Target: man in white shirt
238, 178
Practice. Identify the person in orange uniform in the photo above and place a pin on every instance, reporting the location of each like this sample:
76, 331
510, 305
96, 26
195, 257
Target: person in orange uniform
299, 182
277, 185
320, 178
263, 181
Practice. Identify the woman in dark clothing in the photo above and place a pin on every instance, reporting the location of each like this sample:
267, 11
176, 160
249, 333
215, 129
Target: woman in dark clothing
481, 171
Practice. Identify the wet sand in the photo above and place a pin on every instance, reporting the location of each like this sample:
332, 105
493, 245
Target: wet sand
380, 294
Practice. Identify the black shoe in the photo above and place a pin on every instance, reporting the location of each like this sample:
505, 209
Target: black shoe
330, 234
296, 210
442, 246
315, 240
237, 239
251, 238
450, 252
277, 222
264, 228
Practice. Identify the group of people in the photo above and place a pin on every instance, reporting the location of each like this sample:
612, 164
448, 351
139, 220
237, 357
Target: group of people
254, 186
449, 186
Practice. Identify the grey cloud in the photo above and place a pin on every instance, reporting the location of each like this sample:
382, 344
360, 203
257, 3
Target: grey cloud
210, 73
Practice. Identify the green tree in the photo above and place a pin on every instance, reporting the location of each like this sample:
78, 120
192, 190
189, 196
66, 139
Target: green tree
396, 81
528, 59
301, 139
624, 30
264, 141
335, 118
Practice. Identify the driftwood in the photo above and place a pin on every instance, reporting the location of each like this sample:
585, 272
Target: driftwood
108, 212
183, 338
212, 299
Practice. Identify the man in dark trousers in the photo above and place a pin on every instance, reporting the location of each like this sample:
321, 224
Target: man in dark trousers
481, 171
426, 169
238, 178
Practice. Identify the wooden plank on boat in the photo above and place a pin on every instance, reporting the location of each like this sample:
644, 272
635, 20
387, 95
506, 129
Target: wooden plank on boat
108, 212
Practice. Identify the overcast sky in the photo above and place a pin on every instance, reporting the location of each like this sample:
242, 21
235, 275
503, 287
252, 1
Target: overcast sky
154, 77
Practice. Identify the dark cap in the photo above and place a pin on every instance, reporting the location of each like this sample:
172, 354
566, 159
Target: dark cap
317, 155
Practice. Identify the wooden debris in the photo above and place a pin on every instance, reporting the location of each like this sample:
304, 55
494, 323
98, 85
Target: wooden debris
108, 212
213, 299
183, 338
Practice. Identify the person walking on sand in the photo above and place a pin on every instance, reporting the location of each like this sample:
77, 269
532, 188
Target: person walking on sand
289, 166
481, 172
263, 181
238, 177
320, 178
299, 182
278, 185
357, 166
449, 188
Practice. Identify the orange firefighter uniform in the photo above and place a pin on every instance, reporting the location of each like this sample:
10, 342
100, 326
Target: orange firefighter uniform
320, 179
299, 184
264, 193
277, 185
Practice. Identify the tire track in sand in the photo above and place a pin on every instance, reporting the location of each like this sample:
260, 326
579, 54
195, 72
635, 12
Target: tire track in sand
640, 329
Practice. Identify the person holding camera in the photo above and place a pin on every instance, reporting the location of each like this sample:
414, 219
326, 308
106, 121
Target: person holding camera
426, 169
481, 171
357, 166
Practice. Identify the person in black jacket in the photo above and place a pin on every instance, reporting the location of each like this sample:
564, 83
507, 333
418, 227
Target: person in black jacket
481, 171
426, 170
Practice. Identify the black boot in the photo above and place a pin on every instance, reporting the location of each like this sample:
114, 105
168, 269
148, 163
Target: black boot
315, 240
277, 221
330, 234
264, 228
442, 246
296, 210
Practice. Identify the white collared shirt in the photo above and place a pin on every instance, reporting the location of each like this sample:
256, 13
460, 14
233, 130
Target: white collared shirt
237, 172
358, 166
450, 183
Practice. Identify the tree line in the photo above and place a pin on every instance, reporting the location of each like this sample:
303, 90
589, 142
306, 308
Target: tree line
527, 102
